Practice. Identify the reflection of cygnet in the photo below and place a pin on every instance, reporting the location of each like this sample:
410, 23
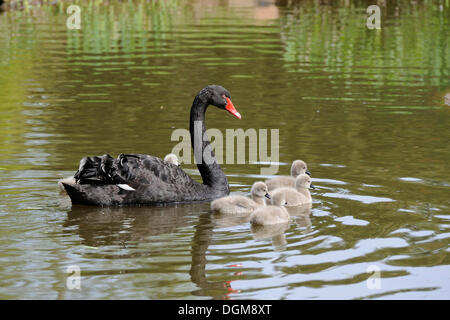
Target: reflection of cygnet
272, 214
301, 215
241, 204
274, 231
229, 220
298, 167
295, 197
171, 158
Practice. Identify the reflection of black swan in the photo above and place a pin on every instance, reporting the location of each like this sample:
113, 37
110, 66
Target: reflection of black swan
143, 179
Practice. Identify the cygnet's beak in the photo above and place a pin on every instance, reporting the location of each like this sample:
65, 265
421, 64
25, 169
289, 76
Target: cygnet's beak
312, 186
267, 196
308, 173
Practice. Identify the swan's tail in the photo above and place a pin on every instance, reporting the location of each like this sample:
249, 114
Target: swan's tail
99, 195
74, 193
95, 170
96, 182
92, 170
68, 180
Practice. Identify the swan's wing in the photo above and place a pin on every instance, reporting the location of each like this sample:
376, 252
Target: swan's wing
130, 169
242, 202
145, 169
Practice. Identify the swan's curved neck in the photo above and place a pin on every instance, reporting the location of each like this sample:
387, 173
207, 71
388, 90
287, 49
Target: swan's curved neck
205, 159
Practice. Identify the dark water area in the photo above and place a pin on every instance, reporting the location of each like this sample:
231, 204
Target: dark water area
364, 108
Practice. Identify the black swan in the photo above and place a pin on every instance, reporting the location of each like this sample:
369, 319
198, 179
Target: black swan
137, 179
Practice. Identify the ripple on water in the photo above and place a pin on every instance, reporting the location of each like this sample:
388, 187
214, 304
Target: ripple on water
411, 179
334, 165
350, 221
359, 198
329, 181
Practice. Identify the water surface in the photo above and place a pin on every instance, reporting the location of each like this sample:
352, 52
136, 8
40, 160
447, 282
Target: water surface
364, 108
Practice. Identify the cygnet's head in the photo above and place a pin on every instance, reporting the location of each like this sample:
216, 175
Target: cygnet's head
303, 181
259, 189
278, 199
299, 167
171, 158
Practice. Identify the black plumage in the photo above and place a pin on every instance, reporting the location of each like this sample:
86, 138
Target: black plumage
154, 180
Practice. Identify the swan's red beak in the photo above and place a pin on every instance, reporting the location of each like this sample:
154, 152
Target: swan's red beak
231, 109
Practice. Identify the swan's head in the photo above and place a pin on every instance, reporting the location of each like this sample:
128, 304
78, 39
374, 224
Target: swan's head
171, 158
260, 190
299, 167
303, 181
220, 97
